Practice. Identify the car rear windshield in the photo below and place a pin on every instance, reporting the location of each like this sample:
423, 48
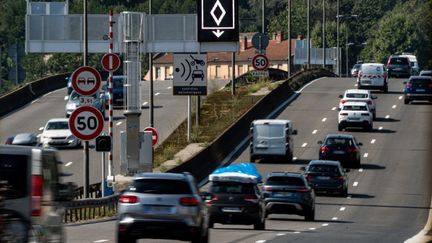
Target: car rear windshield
160, 186
355, 108
232, 188
284, 180
13, 175
421, 81
339, 141
356, 95
270, 130
399, 61
330, 169
371, 69
57, 126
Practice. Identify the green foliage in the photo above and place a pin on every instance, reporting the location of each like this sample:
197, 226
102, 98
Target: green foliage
35, 67
12, 26
6, 86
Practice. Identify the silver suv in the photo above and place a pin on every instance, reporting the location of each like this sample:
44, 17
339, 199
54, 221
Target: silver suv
162, 206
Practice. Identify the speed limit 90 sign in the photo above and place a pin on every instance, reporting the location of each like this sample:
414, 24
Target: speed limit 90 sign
86, 123
260, 62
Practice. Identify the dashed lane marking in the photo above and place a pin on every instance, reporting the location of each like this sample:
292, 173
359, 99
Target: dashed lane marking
342, 209
170, 87
324, 119
312, 228
380, 128
325, 224
349, 197
334, 108
100, 241
68, 163
280, 234
157, 94
373, 141
296, 232
294, 158
304, 145
145, 103
118, 123
355, 183
400, 97
314, 131
335, 218
260, 241
394, 106
365, 155
361, 170
387, 117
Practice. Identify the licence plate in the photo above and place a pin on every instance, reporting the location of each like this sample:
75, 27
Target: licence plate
366, 82
231, 210
420, 90
339, 152
283, 194
159, 209
354, 118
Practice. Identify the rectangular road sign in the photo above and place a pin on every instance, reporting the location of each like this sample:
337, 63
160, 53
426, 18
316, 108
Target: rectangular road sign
190, 74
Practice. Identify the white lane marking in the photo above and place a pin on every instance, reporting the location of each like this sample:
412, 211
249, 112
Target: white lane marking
222, 88
365, 155
260, 241
280, 234
394, 106
373, 141
314, 131
118, 123
342, 209
145, 103
68, 163
387, 117
294, 158
335, 218
312, 228
304, 145
169, 87
361, 170
355, 85
380, 128
296, 232
34, 101
100, 241
355, 183
349, 197
157, 94
324, 119
325, 224
48, 93
334, 108
400, 97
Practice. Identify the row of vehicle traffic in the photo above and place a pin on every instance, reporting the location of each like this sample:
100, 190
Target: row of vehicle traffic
170, 206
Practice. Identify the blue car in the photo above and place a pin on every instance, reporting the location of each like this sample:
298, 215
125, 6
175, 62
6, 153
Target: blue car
418, 88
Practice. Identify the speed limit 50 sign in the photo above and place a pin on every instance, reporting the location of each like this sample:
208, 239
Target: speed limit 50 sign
260, 62
86, 123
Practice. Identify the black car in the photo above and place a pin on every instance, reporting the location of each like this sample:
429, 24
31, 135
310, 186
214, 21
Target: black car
25, 139
341, 147
398, 66
418, 88
235, 200
288, 193
327, 176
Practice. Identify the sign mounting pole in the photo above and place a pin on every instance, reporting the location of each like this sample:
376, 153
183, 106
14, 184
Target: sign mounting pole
110, 177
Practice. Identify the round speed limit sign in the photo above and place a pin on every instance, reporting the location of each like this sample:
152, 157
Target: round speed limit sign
86, 123
260, 62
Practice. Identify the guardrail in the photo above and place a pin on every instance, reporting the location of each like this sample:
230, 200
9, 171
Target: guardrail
205, 161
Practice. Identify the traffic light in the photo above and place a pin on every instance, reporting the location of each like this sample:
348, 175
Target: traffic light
103, 144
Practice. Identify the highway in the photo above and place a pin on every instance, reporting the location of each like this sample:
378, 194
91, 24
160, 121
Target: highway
389, 197
169, 112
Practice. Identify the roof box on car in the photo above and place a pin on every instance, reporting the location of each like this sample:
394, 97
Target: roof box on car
234, 177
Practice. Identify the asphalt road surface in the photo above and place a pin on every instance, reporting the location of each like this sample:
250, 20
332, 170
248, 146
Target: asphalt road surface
388, 198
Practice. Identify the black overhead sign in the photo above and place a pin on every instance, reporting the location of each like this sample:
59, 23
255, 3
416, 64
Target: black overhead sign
218, 20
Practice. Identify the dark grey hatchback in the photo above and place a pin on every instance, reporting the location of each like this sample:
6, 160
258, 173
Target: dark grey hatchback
327, 176
288, 193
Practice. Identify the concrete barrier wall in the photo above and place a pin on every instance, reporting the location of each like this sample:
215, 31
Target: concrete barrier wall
210, 158
30, 91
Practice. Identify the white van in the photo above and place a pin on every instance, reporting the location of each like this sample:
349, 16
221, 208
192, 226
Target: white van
32, 194
271, 138
413, 63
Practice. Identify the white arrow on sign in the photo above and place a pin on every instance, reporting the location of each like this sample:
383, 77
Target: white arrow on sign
218, 33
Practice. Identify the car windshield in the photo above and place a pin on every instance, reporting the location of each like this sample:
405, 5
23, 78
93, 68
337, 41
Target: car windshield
284, 180
232, 188
426, 74
355, 108
160, 186
57, 125
339, 141
356, 95
372, 69
399, 61
356, 66
330, 169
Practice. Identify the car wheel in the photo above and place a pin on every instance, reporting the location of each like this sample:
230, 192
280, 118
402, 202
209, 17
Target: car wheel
369, 127
289, 157
406, 101
340, 127
200, 238
385, 90
344, 192
260, 225
310, 215
211, 224
123, 238
374, 115
252, 159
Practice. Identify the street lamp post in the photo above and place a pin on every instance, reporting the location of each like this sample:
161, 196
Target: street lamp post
341, 17
347, 47
289, 39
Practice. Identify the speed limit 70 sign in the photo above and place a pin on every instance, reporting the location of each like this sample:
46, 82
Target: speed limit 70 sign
86, 123
260, 62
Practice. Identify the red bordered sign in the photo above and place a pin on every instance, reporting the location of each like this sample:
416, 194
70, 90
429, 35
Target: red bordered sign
260, 62
110, 62
155, 135
86, 81
86, 123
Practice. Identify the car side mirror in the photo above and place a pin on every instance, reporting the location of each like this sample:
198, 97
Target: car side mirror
41, 128
303, 168
360, 144
340, 96
66, 192
294, 132
374, 97
404, 82
347, 170
320, 142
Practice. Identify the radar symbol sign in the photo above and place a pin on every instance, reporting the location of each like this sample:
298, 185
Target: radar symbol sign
190, 74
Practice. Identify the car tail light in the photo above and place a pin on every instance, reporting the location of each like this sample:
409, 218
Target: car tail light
343, 114
325, 149
365, 114
302, 190
343, 101
352, 150
189, 201
339, 178
266, 188
210, 201
128, 199
408, 85
251, 198
37, 193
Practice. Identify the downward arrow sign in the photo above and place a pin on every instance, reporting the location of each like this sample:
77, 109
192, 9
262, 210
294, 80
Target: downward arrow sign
218, 33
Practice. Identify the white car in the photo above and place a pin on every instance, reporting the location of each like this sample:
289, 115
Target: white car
372, 76
360, 95
56, 133
355, 114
